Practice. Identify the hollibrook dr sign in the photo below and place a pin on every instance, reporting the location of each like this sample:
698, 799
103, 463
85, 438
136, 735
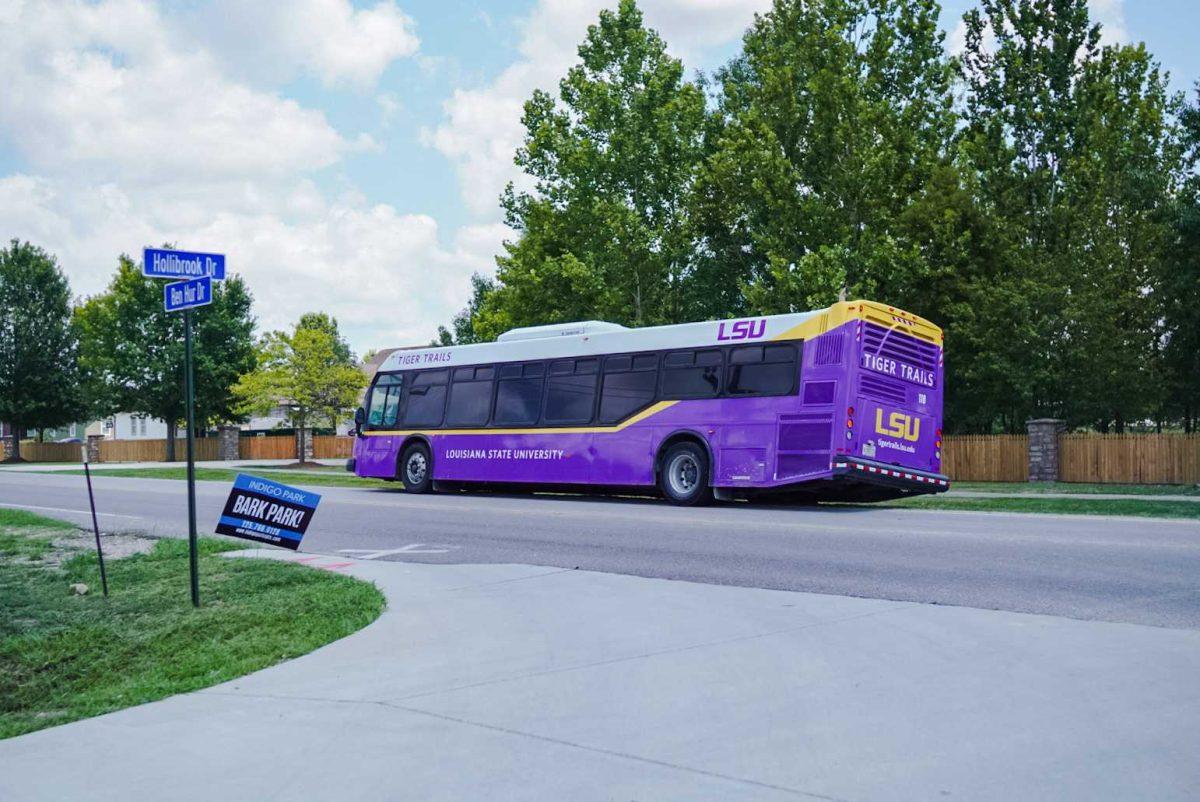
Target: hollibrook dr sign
160, 263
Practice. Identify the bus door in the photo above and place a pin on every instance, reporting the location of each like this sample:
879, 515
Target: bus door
376, 454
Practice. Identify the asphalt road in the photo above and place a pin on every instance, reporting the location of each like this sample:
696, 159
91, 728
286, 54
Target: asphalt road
1141, 571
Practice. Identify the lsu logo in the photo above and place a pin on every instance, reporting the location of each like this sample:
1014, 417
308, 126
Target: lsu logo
742, 330
906, 427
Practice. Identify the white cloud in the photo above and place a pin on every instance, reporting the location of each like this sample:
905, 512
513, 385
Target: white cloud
482, 126
328, 39
131, 138
383, 274
1111, 15
100, 91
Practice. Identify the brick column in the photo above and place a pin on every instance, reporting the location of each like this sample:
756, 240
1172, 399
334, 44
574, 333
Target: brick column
228, 438
1043, 448
93, 447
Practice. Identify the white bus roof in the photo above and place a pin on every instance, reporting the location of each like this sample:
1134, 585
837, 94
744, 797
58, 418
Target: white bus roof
591, 338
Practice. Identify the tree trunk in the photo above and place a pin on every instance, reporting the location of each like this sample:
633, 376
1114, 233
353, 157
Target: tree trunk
41, 435
15, 456
172, 433
301, 431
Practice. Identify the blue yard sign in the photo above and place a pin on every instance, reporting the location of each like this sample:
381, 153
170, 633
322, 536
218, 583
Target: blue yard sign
266, 511
187, 294
159, 263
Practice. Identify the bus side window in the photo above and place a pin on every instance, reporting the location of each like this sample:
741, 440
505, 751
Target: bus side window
692, 374
762, 370
571, 391
426, 401
384, 401
519, 395
470, 397
629, 385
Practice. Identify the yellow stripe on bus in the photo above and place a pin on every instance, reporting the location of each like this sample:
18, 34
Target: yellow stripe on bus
653, 409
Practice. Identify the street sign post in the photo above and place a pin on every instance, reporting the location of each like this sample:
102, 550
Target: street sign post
162, 263
199, 271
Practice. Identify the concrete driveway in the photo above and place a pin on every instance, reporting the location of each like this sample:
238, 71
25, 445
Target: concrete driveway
507, 682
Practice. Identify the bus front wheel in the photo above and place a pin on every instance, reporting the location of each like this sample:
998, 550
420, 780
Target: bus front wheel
416, 469
684, 475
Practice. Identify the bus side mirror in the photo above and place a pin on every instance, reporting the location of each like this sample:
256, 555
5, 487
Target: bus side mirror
360, 417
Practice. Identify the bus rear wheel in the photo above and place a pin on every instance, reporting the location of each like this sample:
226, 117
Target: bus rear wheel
416, 469
684, 475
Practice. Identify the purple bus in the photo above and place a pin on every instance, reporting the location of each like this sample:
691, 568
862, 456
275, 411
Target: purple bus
843, 403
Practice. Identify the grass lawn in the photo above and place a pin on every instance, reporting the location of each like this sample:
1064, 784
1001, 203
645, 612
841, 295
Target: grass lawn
336, 478
1147, 508
1034, 488
65, 657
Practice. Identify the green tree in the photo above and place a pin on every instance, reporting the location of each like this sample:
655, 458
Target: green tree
39, 378
1073, 151
1178, 289
462, 329
308, 372
604, 230
133, 350
320, 321
833, 119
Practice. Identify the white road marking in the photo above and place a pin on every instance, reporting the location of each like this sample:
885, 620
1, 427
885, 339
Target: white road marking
411, 548
63, 509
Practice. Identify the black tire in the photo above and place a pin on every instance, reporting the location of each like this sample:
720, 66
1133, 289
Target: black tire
683, 475
416, 469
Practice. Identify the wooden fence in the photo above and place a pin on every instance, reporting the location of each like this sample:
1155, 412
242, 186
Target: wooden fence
267, 447
986, 457
154, 450
328, 446
1129, 458
50, 452
1089, 457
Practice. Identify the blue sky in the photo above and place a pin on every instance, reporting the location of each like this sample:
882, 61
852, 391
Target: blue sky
346, 156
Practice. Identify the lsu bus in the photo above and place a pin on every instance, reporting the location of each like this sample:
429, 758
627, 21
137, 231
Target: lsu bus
843, 403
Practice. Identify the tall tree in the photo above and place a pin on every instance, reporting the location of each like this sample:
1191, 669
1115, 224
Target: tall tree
603, 231
39, 378
835, 116
133, 349
1073, 152
462, 329
1178, 288
308, 372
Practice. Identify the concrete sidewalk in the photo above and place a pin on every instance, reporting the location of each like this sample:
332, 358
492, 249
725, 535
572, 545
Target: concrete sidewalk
508, 682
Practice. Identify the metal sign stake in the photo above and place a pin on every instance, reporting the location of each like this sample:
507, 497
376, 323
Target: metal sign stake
95, 523
193, 545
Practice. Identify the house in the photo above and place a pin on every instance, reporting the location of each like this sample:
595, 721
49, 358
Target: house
131, 426
72, 431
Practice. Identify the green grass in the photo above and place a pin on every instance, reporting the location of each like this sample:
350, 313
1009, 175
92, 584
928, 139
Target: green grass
312, 466
1148, 508
25, 536
1034, 488
65, 657
333, 479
